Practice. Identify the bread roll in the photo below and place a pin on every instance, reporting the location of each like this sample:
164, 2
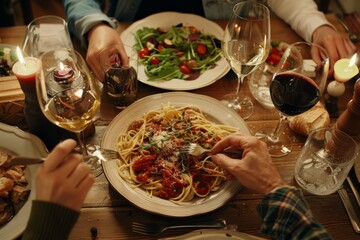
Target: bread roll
316, 117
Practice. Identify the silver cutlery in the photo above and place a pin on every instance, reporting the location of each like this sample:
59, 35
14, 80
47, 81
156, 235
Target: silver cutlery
353, 189
153, 229
94, 151
352, 36
354, 219
196, 150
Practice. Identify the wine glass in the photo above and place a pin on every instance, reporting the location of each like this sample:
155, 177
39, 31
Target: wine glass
297, 85
47, 33
68, 94
246, 45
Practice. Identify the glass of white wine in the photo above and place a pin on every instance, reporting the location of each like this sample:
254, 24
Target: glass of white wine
68, 94
246, 45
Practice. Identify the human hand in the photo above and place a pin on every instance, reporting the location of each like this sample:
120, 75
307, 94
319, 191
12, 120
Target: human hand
338, 46
64, 178
100, 37
255, 170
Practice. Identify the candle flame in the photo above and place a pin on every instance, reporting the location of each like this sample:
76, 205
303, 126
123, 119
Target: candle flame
352, 60
20, 56
61, 66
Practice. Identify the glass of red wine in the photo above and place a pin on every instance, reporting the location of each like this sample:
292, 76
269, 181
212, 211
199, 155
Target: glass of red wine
297, 85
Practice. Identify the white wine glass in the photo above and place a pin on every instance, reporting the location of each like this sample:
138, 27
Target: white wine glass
297, 85
68, 94
47, 33
246, 45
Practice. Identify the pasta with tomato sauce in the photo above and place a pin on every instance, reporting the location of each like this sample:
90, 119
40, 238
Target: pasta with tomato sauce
151, 158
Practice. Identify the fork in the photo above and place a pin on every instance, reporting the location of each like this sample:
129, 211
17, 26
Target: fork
95, 151
196, 150
153, 229
352, 36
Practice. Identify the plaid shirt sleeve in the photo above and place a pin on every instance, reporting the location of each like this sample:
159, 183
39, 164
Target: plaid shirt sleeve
286, 215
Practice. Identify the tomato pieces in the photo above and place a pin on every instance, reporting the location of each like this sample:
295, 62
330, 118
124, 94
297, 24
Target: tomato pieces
201, 49
185, 69
154, 61
143, 52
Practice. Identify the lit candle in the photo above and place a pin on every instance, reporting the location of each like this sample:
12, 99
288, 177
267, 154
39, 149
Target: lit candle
25, 70
345, 69
63, 74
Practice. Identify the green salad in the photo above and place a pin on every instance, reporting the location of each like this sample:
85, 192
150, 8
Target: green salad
182, 52
7, 59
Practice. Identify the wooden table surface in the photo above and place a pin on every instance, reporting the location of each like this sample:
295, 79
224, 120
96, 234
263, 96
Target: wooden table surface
112, 215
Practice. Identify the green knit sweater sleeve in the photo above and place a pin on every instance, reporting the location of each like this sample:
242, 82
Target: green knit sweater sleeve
49, 221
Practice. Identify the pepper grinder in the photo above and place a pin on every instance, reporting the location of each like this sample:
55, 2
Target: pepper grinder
349, 120
25, 70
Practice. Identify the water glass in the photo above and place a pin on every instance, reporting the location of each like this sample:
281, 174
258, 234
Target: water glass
119, 64
47, 33
325, 161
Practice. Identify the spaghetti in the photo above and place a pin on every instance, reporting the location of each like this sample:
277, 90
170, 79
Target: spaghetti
151, 158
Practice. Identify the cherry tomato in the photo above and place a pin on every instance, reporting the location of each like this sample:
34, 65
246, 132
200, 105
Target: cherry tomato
180, 54
192, 64
184, 69
143, 52
192, 29
160, 47
154, 61
201, 49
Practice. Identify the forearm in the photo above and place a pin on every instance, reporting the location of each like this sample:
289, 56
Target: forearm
49, 221
286, 215
82, 15
303, 16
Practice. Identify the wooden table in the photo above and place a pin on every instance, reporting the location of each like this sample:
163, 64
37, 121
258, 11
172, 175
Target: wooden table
112, 215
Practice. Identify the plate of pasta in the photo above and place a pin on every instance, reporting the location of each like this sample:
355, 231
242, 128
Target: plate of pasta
152, 172
204, 26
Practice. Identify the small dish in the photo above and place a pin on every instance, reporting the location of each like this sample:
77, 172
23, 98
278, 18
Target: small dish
18, 142
259, 85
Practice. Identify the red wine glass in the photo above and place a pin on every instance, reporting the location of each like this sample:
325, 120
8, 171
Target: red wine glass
297, 85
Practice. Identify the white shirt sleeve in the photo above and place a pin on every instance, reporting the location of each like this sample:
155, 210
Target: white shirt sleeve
302, 15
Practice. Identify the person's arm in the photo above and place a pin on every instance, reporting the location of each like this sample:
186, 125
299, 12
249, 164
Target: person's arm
62, 183
49, 221
286, 215
82, 15
303, 16
284, 212
311, 24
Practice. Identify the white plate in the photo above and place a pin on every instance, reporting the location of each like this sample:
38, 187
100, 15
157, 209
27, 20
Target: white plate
165, 20
19, 142
214, 234
214, 111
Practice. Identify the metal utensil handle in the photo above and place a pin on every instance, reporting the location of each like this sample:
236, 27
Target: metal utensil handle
205, 224
355, 222
353, 189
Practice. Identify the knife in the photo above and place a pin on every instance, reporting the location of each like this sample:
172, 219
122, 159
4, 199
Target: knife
353, 189
354, 219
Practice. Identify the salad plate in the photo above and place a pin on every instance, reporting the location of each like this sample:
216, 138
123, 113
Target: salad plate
18, 142
174, 18
213, 110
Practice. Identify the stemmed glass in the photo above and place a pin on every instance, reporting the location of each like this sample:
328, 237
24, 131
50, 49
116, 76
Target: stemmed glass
68, 94
246, 45
47, 33
297, 85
